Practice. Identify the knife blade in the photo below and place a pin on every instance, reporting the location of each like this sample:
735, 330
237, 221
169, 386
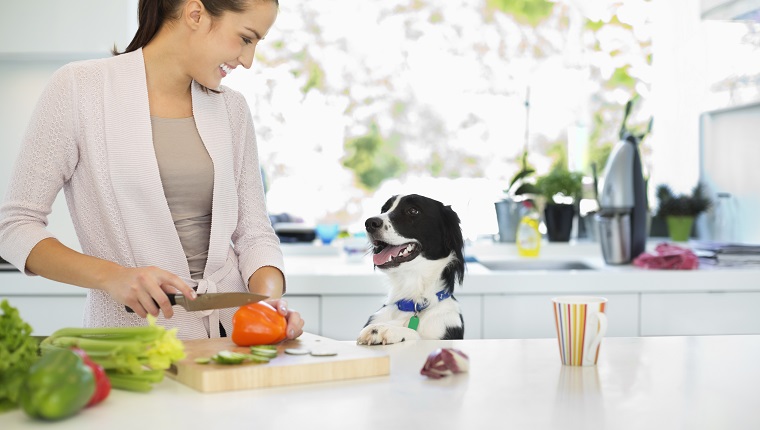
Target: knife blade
212, 301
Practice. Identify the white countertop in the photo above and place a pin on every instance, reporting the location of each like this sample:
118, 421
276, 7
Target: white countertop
694, 383
317, 270
326, 271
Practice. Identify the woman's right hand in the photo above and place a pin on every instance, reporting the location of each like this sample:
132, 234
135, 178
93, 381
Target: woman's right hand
141, 288
134, 287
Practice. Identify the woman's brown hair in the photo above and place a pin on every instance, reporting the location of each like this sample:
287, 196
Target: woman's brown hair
152, 14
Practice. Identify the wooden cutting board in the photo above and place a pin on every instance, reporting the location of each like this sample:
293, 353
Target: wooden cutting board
350, 362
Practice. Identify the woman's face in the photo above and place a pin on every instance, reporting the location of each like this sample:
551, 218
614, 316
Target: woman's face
230, 41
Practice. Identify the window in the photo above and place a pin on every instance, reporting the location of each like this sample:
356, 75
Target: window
357, 100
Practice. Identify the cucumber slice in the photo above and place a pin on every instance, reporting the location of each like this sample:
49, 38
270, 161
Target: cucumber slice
229, 357
267, 351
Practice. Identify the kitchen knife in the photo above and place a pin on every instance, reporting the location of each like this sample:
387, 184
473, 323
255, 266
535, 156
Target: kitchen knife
212, 301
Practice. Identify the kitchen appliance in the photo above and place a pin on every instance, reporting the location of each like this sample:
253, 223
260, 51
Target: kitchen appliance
294, 232
212, 301
328, 360
622, 218
728, 156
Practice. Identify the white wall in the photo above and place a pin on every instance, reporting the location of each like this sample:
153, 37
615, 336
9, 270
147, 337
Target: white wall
36, 38
20, 85
66, 27
720, 151
677, 90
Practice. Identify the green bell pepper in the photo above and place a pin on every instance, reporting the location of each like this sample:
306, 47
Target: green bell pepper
57, 386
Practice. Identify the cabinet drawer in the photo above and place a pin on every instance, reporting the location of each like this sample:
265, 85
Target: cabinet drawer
309, 308
472, 314
683, 314
532, 316
343, 317
47, 314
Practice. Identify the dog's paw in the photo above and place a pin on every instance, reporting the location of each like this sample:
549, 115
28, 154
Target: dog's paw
383, 334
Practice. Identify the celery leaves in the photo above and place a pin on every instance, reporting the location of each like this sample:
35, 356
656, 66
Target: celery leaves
18, 350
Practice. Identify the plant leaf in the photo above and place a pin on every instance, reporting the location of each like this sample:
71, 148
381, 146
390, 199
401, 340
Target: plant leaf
526, 188
520, 175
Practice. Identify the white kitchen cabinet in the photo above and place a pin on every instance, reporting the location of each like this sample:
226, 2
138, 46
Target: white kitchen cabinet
309, 308
532, 316
50, 313
343, 317
472, 313
685, 314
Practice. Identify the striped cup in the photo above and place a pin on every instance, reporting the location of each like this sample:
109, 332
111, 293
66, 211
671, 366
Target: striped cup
581, 325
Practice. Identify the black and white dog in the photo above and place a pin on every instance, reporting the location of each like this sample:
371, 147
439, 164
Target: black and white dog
418, 243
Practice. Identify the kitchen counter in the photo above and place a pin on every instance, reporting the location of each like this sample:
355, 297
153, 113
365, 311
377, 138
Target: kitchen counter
326, 271
707, 382
336, 295
329, 273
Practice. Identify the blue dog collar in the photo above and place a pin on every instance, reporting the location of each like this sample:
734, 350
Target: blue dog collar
407, 305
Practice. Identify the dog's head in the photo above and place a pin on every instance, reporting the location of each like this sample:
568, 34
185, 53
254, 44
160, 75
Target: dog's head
413, 226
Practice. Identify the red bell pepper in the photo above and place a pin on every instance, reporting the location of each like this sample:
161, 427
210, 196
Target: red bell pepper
102, 383
258, 324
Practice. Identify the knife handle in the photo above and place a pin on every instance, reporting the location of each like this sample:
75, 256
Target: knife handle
171, 297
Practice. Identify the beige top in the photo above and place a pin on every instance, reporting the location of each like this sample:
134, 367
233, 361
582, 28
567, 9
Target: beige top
187, 175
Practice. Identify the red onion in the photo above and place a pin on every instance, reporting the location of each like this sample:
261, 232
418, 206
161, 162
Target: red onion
445, 361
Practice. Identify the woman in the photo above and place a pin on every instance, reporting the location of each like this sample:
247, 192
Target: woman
159, 166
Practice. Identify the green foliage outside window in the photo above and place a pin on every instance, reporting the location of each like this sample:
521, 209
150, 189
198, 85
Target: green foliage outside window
531, 12
621, 78
316, 77
372, 158
507, 43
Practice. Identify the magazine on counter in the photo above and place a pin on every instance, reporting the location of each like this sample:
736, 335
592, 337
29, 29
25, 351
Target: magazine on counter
729, 252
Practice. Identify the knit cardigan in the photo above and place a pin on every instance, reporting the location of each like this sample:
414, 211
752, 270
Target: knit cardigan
90, 134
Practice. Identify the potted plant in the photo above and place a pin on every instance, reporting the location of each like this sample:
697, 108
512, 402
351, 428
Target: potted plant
679, 211
519, 185
510, 209
560, 188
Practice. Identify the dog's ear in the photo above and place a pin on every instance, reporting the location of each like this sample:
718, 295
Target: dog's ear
388, 204
453, 239
452, 232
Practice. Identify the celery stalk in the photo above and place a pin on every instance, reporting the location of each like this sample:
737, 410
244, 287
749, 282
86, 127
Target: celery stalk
124, 382
134, 356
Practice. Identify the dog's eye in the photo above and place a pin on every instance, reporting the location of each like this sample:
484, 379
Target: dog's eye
412, 211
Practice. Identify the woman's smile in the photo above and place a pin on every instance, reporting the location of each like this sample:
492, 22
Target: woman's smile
225, 69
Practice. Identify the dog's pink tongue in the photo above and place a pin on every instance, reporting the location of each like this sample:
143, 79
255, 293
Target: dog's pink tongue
386, 253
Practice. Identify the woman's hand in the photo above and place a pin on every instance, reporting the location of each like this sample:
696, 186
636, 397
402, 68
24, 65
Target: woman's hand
295, 323
133, 287
270, 281
141, 288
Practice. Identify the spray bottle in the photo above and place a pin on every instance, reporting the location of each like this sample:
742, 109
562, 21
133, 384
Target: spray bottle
528, 236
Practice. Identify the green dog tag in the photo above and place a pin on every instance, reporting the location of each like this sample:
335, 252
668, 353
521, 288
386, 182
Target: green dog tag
414, 322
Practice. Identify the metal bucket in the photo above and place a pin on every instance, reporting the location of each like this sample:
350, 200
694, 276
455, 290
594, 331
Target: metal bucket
508, 215
614, 233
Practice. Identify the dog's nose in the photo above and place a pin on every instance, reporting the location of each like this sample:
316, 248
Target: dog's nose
373, 224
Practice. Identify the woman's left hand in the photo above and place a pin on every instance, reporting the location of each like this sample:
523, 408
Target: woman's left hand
295, 323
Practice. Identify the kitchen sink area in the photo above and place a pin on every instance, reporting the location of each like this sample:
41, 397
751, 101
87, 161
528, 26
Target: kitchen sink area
493, 258
523, 264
